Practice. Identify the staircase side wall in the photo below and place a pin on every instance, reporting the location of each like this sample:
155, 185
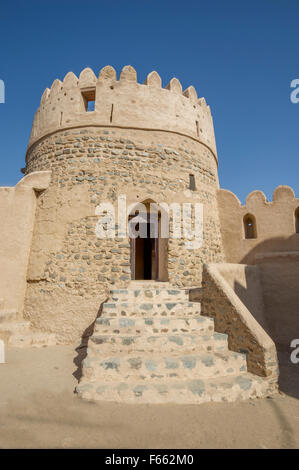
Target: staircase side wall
231, 316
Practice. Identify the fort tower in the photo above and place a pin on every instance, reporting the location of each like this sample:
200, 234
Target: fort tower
101, 138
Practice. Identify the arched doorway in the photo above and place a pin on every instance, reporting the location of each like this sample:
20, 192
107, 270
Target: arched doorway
149, 251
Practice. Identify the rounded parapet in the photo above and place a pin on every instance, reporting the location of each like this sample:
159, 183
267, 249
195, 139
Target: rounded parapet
256, 197
45, 96
283, 193
123, 103
225, 197
70, 81
87, 78
107, 73
129, 74
153, 79
190, 92
175, 86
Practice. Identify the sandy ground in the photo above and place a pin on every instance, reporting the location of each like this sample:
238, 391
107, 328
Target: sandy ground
38, 409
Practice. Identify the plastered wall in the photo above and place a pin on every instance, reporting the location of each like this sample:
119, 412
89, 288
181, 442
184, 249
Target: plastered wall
280, 285
274, 251
275, 224
124, 103
17, 215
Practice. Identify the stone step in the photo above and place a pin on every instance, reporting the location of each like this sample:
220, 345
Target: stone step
196, 391
32, 339
14, 327
163, 367
149, 283
195, 342
153, 325
8, 316
131, 309
151, 345
149, 294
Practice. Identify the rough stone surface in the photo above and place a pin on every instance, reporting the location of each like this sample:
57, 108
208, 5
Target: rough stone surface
234, 319
67, 257
163, 352
151, 144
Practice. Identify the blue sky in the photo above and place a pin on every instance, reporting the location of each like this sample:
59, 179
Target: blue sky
240, 55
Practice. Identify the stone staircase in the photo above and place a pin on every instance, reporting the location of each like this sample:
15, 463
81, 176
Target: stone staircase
16, 332
151, 345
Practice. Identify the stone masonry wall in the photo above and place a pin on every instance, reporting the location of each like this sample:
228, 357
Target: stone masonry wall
245, 335
70, 269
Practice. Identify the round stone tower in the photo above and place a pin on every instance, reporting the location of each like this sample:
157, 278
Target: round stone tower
103, 138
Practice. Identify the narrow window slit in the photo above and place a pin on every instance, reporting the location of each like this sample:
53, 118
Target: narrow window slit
297, 220
192, 185
111, 114
249, 224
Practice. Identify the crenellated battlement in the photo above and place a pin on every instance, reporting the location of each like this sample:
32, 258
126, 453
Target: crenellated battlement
256, 199
123, 103
274, 224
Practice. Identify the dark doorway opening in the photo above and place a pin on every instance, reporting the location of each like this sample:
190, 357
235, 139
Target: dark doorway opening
149, 252
144, 255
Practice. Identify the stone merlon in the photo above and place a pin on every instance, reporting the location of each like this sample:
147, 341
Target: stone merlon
123, 103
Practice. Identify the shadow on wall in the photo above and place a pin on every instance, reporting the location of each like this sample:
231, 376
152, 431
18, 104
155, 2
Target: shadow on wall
274, 300
81, 350
275, 244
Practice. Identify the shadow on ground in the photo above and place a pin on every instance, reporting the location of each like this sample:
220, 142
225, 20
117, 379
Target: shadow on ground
81, 350
288, 374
